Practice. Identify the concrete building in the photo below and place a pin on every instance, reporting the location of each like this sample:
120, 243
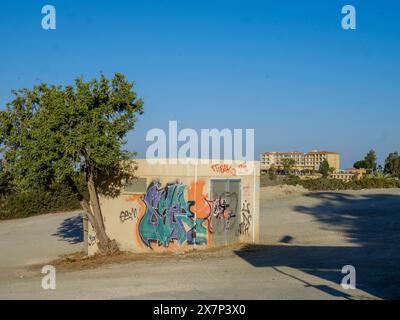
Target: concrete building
348, 174
175, 207
303, 161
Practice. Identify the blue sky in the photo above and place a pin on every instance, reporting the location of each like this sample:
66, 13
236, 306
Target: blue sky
285, 68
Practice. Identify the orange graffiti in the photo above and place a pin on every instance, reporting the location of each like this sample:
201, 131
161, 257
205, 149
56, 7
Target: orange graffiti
139, 199
201, 208
223, 168
195, 193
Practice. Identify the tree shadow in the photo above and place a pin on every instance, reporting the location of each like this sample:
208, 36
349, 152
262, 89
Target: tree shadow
371, 225
71, 230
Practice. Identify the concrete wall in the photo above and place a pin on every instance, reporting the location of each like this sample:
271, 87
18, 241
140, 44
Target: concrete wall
181, 207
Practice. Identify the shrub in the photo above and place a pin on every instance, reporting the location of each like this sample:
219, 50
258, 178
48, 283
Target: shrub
292, 179
39, 201
323, 184
4, 183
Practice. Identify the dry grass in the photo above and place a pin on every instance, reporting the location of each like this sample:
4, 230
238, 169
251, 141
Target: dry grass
80, 261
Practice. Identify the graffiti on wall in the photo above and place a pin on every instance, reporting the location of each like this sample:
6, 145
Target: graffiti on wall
126, 215
169, 217
244, 226
223, 168
240, 170
244, 169
91, 240
223, 212
178, 215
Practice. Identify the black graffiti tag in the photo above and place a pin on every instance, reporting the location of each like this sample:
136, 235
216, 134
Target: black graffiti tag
246, 217
128, 215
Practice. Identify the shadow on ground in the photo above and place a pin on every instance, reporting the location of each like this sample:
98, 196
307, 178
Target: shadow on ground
371, 222
71, 230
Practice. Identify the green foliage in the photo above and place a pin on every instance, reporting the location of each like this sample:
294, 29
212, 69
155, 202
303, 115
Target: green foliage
288, 164
292, 179
376, 183
322, 184
370, 159
361, 164
51, 131
23, 205
392, 164
51, 134
379, 174
309, 171
5, 182
324, 168
40, 201
369, 162
272, 173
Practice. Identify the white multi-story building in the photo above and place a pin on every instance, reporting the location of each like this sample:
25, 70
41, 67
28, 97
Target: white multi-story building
303, 161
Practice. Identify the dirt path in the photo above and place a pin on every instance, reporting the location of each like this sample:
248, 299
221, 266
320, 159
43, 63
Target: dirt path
307, 239
320, 232
225, 276
38, 239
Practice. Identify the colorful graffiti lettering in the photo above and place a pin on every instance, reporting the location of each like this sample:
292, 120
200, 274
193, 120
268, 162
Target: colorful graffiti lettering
246, 217
223, 168
177, 215
200, 207
169, 217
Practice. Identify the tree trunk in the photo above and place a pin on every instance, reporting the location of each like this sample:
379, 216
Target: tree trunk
93, 212
105, 245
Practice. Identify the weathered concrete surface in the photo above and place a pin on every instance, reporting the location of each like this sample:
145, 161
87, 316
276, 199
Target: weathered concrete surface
308, 239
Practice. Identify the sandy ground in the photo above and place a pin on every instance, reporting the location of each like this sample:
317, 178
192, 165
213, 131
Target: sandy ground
307, 239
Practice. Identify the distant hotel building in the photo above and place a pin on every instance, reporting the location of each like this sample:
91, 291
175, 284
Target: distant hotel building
348, 174
303, 161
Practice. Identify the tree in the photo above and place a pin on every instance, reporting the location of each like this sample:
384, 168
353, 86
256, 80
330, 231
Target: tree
361, 164
272, 172
4, 181
369, 162
370, 159
324, 168
51, 134
288, 164
392, 164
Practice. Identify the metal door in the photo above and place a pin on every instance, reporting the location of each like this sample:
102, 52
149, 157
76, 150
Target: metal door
225, 210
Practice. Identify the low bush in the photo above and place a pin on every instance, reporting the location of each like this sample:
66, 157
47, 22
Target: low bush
323, 184
34, 202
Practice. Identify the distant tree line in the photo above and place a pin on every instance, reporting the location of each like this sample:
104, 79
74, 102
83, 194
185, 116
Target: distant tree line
370, 164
